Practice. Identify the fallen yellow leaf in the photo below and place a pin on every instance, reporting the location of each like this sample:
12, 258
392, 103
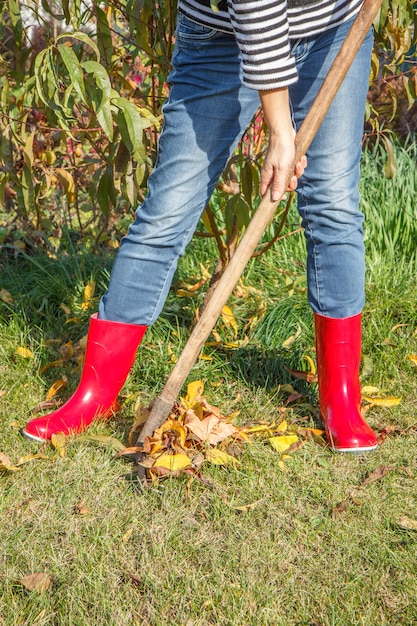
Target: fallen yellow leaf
282, 427
311, 363
413, 358
88, 295
282, 442
288, 342
25, 353
219, 457
173, 462
59, 441
54, 388
282, 466
378, 401
369, 390
229, 319
194, 391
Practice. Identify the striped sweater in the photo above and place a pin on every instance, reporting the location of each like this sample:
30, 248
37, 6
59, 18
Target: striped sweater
266, 29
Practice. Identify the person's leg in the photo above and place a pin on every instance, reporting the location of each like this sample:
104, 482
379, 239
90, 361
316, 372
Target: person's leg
207, 112
328, 202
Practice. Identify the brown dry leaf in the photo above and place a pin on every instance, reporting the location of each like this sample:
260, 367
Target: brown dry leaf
6, 296
3, 393
377, 474
54, 388
37, 582
307, 376
6, 465
81, 509
378, 401
25, 353
210, 429
407, 523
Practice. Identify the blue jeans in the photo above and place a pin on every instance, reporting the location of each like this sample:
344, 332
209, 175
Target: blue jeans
206, 114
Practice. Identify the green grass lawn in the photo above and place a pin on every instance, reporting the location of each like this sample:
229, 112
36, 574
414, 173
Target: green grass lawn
332, 541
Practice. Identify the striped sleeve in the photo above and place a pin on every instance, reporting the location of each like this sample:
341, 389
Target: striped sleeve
265, 29
262, 33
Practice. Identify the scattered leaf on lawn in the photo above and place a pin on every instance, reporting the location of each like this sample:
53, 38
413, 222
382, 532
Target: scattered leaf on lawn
413, 358
127, 536
407, 523
112, 441
25, 353
219, 457
369, 390
6, 465
282, 427
379, 401
367, 366
282, 442
59, 441
3, 393
54, 388
290, 340
6, 296
229, 319
88, 295
380, 472
37, 582
31, 457
172, 462
396, 327
311, 363
307, 376
81, 509
282, 466
246, 507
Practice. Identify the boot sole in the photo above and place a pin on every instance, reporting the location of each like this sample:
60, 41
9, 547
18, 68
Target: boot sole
355, 450
32, 437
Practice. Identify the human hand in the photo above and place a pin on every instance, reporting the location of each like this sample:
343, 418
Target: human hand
279, 173
279, 162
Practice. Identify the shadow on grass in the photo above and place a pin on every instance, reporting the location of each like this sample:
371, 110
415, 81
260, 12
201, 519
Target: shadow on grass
268, 369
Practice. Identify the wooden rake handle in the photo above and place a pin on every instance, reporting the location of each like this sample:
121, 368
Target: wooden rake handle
162, 405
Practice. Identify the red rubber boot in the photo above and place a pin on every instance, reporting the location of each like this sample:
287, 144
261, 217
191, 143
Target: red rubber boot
111, 350
338, 347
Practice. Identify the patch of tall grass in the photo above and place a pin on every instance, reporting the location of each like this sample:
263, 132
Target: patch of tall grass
390, 204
